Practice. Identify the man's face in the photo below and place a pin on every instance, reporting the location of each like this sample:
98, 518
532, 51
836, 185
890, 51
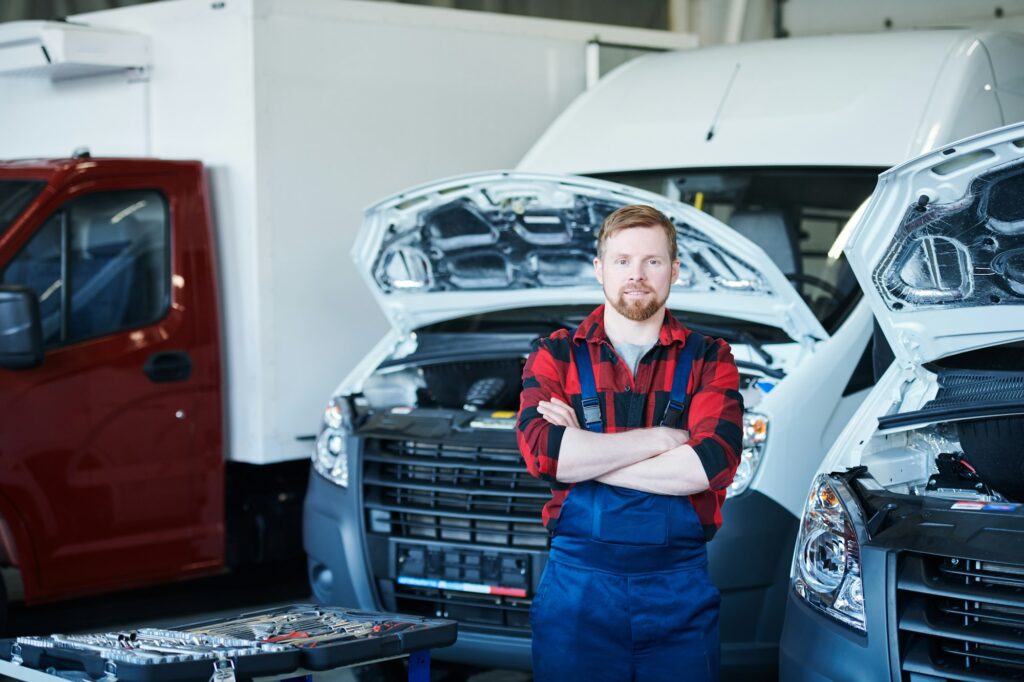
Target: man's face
636, 271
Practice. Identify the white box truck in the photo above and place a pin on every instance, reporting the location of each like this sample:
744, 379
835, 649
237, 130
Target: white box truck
186, 278
781, 140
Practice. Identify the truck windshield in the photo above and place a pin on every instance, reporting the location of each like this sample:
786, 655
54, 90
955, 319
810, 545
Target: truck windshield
15, 195
794, 214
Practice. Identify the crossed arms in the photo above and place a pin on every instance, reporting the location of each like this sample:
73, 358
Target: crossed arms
655, 460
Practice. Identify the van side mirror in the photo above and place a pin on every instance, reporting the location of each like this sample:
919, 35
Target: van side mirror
21, 333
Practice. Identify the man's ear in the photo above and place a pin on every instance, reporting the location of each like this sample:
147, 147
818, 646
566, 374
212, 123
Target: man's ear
675, 271
598, 272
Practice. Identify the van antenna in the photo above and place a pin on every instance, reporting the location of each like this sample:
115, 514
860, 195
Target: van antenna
721, 103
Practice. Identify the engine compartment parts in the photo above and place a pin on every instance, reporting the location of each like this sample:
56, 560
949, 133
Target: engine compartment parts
995, 447
270, 642
956, 477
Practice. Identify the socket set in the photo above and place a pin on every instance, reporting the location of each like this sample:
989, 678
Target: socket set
263, 643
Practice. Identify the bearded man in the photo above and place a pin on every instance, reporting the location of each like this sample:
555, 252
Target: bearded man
636, 491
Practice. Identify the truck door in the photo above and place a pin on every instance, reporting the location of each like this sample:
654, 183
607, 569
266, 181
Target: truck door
111, 449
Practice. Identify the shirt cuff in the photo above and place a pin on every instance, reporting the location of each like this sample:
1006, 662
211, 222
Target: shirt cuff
713, 458
555, 434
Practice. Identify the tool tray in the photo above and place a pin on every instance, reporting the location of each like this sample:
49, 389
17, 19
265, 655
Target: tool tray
370, 635
261, 643
43, 653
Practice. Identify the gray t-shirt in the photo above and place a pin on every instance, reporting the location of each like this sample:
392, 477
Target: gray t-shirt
631, 354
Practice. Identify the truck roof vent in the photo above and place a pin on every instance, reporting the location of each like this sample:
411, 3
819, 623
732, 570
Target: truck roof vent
81, 153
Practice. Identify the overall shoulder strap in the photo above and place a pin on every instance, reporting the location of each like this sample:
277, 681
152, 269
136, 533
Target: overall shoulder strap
684, 364
588, 387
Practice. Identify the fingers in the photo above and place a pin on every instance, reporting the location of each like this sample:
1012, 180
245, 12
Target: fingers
557, 412
676, 436
682, 435
571, 413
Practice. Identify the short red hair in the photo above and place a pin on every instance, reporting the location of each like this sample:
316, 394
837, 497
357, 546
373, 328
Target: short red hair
636, 215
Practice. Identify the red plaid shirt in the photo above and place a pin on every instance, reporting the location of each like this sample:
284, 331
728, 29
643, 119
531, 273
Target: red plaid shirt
714, 414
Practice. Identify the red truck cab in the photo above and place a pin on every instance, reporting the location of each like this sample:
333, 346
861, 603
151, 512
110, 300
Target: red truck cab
111, 444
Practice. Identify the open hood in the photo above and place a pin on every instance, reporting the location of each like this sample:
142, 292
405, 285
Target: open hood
939, 250
503, 240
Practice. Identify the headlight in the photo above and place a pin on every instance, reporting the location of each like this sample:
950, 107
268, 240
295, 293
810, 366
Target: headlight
755, 433
330, 454
826, 565
388, 389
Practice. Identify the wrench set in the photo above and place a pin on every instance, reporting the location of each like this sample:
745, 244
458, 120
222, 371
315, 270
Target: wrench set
270, 642
148, 646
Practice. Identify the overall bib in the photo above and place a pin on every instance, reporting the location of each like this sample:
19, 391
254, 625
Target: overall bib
626, 593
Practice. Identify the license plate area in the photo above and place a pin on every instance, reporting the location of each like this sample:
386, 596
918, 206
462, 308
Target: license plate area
463, 569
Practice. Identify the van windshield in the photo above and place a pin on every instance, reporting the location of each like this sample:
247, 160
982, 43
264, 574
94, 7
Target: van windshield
15, 195
794, 214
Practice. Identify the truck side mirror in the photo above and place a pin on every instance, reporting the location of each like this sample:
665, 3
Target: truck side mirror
21, 334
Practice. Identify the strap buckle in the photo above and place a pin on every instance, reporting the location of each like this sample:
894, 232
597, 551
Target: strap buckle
673, 411
591, 411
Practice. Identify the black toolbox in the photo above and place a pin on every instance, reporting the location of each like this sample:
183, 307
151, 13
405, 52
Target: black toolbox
262, 643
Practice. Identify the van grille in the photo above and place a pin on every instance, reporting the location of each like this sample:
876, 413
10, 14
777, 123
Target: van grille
454, 497
960, 619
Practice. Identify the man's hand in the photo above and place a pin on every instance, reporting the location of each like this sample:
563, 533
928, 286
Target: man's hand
558, 413
676, 472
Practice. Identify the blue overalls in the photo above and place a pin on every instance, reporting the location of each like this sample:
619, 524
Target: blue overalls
626, 593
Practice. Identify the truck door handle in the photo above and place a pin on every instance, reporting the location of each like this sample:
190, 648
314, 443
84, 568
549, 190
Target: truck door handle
169, 366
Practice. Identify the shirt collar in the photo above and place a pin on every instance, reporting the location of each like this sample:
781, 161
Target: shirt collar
592, 329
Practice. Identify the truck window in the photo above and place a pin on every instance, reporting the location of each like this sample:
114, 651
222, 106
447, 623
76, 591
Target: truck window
15, 195
110, 250
38, 267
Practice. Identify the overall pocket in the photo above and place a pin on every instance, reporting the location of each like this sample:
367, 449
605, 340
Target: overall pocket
631, 528
629, 517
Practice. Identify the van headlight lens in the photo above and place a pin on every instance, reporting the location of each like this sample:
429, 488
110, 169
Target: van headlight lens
330, 454
388, 389
755, 434
826, 564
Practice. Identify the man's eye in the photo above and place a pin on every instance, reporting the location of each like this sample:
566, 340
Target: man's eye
621, 261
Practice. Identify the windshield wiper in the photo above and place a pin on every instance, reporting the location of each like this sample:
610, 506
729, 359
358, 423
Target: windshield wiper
741, 335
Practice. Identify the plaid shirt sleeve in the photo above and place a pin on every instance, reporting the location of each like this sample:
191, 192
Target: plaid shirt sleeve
716, 416
539, 441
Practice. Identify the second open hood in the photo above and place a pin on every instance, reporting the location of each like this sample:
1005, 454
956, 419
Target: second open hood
939, 251
503, 240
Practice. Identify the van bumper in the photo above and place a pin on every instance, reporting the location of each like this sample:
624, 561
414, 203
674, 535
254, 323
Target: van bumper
816, 648
748, 560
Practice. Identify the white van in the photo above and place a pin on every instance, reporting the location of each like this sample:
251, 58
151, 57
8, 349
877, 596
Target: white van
781, 140
910, 558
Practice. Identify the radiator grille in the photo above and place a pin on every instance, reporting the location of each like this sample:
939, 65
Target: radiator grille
479, 497
960, 619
